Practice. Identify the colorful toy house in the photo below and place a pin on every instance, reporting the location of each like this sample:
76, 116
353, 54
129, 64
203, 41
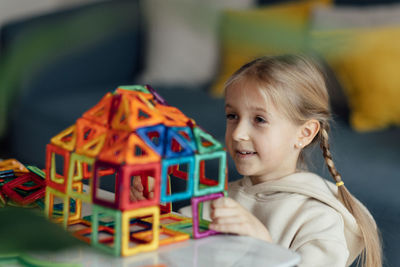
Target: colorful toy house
131, 134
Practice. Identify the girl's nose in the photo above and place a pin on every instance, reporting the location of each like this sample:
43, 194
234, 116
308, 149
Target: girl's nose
240, 133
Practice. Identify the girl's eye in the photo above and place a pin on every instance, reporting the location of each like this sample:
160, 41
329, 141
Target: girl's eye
259, 119
231, 116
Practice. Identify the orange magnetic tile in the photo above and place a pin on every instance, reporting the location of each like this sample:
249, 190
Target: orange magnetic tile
172, 116
129, 110
173, 236
121, 117
100, 113
12, 164
115, 154
76, 223
169, 218
90, 137
134, 93
149, 154
136, 121
115, 146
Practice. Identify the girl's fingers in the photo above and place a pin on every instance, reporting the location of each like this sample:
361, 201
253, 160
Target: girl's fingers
137, 183
230, 217
139, 196
232, 228
228, 220
136, 195
224, 212
137, 188
224, 202
132, 196
226, 207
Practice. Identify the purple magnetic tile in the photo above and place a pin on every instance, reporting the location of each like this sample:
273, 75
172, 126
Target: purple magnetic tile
157, 97
195, 201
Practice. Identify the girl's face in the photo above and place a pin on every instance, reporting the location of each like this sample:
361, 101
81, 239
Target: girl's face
261, 140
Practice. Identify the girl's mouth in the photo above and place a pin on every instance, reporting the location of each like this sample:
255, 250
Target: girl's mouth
245, 154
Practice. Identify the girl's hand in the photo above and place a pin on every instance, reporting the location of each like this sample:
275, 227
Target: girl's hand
137, 189
228, 216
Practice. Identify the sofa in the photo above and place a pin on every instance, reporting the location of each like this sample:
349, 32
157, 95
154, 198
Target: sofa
55, 66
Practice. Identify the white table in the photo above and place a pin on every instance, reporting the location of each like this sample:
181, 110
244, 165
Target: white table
218, 251
213, 251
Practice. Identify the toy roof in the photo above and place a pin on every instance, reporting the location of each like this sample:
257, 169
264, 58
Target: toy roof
134, 124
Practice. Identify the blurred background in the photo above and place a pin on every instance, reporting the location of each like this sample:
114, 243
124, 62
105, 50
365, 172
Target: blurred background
59, 57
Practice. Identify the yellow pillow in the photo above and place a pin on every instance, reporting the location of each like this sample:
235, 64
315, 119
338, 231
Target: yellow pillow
247, 34
367, 64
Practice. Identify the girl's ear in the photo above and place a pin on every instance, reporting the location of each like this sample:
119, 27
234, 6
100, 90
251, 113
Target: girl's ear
307, 132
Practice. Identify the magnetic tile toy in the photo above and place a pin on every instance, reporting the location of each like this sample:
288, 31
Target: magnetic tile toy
197, 216
33, 192
132, 135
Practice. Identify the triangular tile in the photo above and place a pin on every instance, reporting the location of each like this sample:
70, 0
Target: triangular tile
100, 113
115, 154
177, 145
90, 137
66, 139
205, 142
121, 116
138, 108
172, 116
148, 154
187, 133
93, 147
154, 137
114, 147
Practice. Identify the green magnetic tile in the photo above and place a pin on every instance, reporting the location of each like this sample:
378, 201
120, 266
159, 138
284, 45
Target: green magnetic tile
98, 212
200, 190
139, 88
199, 135
36, 171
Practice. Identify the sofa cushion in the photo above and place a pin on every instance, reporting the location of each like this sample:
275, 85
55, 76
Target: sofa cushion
268, 30
364, 62
369, 18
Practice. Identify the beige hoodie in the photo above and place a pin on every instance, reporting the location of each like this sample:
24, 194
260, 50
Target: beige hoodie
302, 213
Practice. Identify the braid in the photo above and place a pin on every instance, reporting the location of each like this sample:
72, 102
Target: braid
324, 143
371, 255
324, 137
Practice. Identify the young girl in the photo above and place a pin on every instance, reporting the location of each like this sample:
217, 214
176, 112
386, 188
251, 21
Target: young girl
275, 107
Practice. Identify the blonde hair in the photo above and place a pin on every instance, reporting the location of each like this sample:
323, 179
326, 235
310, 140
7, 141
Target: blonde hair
297, 87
